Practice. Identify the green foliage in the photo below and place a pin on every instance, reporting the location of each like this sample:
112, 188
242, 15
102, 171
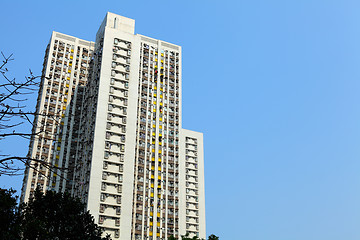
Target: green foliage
9, 215
50, 216
213, 237
186, 237
58, 216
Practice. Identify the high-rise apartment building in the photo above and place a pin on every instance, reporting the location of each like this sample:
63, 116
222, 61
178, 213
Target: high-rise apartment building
118, 143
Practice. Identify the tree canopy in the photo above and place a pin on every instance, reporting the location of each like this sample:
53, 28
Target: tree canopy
50, 216
9, 227
186, 237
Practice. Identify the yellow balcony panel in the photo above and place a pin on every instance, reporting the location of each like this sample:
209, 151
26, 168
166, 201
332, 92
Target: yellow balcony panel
154, 126
57, 156
152, 185
67, 78
162, 54
156, 53
158, 214
153, 150
152, 168
151, 233
62, 123
55, 174
67, 85
161, 96
153, 159
161, 102
159, 177
154, 95
151, 213
159, 151
71, 57
160, 127
159, 195
72, 50
63, 115
153, 142
69, 71
56, 165
160, 119
155, 87
64, 107
159, 160
159, 168
153, 134
162, 61
152, 176
158, 234
58, 148
160, 143
65, 99
154, 102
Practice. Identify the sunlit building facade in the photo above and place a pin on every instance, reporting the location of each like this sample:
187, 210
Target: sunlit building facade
119, 143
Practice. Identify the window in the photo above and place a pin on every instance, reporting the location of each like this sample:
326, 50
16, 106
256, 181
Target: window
101, 220
120, 178
104, 176
105, 165
102, 208
118, 210
102, 197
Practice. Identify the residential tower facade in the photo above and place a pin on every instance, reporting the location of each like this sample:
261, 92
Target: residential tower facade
121, 147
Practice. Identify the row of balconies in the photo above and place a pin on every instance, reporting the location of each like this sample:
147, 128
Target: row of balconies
112, 156
110, 210
190, 171
119, 43
118, 100
112, 176
192, 179
110, 221
191, 165
192, 184
110, 187
116, 118
117, 90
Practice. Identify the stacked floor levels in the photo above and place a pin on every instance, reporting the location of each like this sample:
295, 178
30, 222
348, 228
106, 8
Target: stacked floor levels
124, 153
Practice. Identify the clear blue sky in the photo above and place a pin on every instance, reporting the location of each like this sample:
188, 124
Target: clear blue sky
274, 86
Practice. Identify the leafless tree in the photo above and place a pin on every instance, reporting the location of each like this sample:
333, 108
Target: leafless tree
16, 116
